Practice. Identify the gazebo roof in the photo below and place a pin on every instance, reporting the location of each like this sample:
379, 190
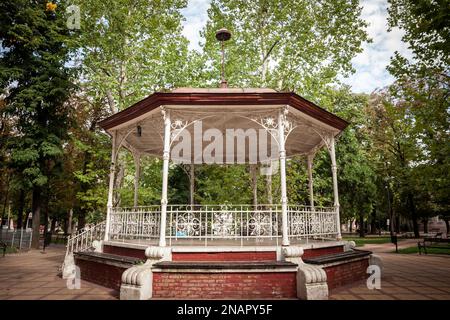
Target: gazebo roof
223, 96
223, 109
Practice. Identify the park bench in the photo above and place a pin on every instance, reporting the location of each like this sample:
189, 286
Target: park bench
3, 246
430, 242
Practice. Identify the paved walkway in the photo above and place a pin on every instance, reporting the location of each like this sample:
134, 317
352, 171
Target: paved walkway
404, 277
34, 276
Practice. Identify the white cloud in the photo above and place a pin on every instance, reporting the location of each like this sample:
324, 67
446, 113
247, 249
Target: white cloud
370, 65
196, 17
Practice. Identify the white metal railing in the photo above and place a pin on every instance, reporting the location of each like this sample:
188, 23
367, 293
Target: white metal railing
84, 238
230, 222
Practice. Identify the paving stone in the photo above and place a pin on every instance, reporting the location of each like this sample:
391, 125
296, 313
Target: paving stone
33, 276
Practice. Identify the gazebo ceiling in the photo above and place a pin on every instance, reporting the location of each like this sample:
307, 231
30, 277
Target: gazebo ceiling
212, 111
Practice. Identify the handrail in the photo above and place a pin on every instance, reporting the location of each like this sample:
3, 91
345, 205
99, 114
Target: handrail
84, 238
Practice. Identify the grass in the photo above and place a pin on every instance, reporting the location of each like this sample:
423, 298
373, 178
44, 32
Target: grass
410, 250
8, 250
369, 240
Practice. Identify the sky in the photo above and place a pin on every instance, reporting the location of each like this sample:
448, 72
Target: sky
370, 65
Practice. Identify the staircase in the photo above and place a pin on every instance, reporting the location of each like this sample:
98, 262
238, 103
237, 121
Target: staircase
83, 240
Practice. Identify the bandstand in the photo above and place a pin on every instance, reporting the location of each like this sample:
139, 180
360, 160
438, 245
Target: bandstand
196, 251
259, 127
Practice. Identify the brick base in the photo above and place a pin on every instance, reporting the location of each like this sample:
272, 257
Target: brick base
225, 256
346, 273
220, 256
224, 285
103, 274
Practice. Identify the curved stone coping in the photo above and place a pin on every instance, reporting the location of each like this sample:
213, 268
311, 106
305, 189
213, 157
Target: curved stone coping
127, 245
338, 257
107, 258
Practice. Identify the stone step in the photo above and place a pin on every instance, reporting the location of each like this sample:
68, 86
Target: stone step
235, 265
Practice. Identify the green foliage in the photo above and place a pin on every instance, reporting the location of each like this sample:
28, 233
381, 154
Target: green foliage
131, 48
222, 184
36, 83
426, 29
289, 45
371, 240
434, 250
397, 140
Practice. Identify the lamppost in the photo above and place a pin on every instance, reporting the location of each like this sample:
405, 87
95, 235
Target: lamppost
391, 218
391, 222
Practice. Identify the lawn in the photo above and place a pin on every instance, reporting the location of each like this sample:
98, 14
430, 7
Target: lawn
369, 240
8, 250
415, 249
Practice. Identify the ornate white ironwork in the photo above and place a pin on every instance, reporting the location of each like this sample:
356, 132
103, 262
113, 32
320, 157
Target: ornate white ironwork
134, 223
260, 224
209, 222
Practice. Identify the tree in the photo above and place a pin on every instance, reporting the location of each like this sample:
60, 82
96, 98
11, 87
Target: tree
421, 90
33, 70
426, 30
356, 175
298, 46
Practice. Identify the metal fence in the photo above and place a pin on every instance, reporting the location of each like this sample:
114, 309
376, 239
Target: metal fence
207, 223
18, 238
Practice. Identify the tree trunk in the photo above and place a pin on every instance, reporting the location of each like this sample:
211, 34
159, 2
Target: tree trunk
350, 229
3, 220
361, 226
412, 209
269, 188
397, 224
53, 226
446, 225
69, 222
20, 208
425, 225
254, 178
36, 216
373, 223
45, 208
81, 219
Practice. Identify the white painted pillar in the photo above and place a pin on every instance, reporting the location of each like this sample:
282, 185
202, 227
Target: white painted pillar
335, 185
284, 216
166, 157
137, 173
112, 174
310, 159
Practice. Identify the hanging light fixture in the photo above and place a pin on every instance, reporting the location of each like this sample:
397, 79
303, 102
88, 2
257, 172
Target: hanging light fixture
223, 35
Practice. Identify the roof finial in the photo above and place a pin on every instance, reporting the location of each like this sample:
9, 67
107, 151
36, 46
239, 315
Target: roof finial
223, 35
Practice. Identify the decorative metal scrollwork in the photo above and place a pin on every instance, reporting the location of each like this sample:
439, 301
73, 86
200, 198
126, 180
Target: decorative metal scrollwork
223, 222
187, 225
259, 224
